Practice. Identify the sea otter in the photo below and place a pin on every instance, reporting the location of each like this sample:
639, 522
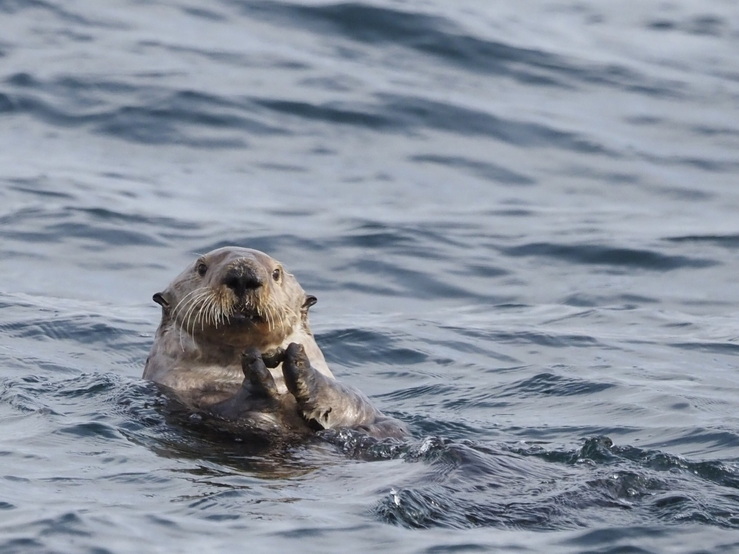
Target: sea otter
234, 343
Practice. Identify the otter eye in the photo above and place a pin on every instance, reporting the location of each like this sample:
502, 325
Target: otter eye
202, 268
277, 274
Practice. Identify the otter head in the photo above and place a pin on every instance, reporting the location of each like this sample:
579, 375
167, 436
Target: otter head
235, 297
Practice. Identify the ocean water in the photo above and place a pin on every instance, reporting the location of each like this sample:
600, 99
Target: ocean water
520, 220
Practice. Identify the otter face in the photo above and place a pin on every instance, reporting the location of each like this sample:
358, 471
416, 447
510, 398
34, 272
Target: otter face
236, 297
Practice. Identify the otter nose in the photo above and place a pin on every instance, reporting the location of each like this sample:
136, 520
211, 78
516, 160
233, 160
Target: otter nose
241, 279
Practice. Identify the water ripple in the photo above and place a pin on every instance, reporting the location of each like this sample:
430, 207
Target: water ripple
609, 256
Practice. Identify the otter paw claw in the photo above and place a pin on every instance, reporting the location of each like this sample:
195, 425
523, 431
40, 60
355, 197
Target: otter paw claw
273, 358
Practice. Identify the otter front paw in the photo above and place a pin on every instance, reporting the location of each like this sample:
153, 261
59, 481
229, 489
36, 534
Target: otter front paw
313, 392
301, 379
258, 379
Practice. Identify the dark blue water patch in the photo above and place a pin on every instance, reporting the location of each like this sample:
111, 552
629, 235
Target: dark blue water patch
86, 385
728, 241
717, 472
149, 125
107, 215
615, 302
706, 25
21, 216
160, 116
115, 236
539, 68
549, 384
358, 346
473, 398
599, 254
391, 280
422, 425
68, 523
430, 390
24, 397
532, 337
22, 545
624, 540
486, 170
706, 440
46, 395
35, 187
267, 242
728, 348
408, 114
376, 236
332, 83
509, 212
443, 40
480, 270
418, 113
99, 225
601, 481
48, 324
598, 174
407, 239
284, 168
596, 449
16, 6
335, 113
199, 109
143, 404
365, 22
718, 164
601, 451
234, 58
204, 13
6, 104
79, 91
91, 429
705, 164
433, 504
707, 129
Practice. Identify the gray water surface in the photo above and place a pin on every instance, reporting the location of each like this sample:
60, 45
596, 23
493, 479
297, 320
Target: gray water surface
520, 220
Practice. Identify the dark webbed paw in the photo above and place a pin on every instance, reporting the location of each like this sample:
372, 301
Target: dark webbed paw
258, 378
314, 393
300, 377
324, 403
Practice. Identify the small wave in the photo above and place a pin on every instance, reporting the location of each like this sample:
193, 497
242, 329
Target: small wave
442, 39
593, 254
486, 170
330, 113
647, 487
360, 346
729, 241
707, 25
162, 116
549, 384
418, 112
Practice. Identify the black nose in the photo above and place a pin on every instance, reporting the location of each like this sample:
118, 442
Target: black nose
241, 279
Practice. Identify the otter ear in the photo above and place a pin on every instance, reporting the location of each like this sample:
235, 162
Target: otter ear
161, 299
310, 300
